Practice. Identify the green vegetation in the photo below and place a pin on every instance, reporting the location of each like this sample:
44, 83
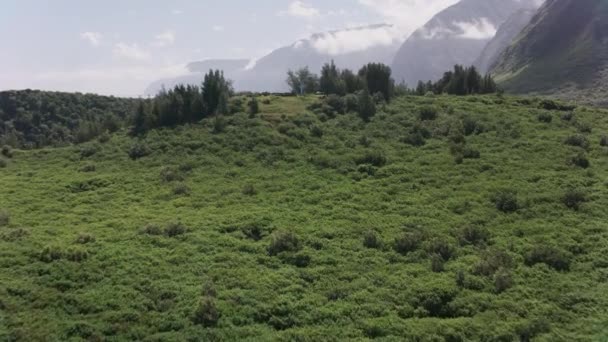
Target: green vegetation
437, 218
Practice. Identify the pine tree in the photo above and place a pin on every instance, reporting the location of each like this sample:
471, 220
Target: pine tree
367, 108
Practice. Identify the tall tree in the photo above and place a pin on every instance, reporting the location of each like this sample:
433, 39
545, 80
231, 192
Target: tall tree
302, 81
377, 78
330, 81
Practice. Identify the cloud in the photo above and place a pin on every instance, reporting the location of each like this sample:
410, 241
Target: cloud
480, 29
407, 15
166, 38
359, 39
218, 28
94, 38
301, 10
177, 12
130, 51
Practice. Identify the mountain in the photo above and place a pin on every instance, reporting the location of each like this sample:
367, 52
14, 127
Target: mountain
349, 48
563, 51
197, 70
457, 35
345, 47
504, 37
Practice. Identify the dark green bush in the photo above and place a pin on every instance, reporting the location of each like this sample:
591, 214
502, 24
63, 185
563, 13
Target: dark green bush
375, 158
175, 229
442, 247
316, 131
567, 116
88, 168
351, 103
578, 141
551, 256
88, 151
573, 198
437, 263
170, 174
584, 127
604, 140
503, 280
336, 103
181, 189
283, 242
580, 160
51, 253
553, 105
249, 190
428, 113
207, 313
77, 255
256, 230
138, 150
472, 126
152, 229
506, 201
5, 218
491, 261
470, 153
408, 242
371, 240
545, 117
473, 235
415, 139
3, 163
85, 238
7, 151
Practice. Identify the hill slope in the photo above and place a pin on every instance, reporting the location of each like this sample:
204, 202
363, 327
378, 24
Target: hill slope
456, 35
563, 51
297, 226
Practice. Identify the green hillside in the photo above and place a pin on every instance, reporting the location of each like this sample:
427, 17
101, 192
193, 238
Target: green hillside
477, 218
562, 52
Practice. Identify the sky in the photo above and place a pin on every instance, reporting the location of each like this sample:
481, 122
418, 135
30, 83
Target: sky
118, 47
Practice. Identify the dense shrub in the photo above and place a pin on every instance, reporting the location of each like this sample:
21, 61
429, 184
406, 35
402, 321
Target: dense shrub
584, 127
249, 190
567, 116
580, 160
283, 242
256, 230
175, 229
181, 189
375, 158
604, 140
51, 253
7, 151
471, 126
169, 174
491, 261
336, 103
85, 238
316, 131
552, 105
408, 242
5, 218
152, 229
138, 150
506, 201
428, 113
473, 235
437, 263
551, 256
88, 151
351, 103
88, 168
77, 255
578, 141
545, 117
503, 280
415, 139
371, 240
3, 163
442, 248
367, 107
573, 198
470, 153
206, 313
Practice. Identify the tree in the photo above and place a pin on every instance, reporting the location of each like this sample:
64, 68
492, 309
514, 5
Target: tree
216, 89
140, 121
377, 78
352, 83
330, 81
254, 106
367, 108
302, 81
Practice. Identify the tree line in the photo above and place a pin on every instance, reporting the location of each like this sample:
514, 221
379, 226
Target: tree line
460, 81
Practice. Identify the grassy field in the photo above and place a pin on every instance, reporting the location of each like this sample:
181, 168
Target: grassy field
442, 219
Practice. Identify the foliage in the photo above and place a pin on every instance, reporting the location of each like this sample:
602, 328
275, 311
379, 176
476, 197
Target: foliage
302, 81
377, 78
367, 107
506, 201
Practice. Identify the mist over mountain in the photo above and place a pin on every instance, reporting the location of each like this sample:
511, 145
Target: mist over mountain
563, 51
349, 48
457, 35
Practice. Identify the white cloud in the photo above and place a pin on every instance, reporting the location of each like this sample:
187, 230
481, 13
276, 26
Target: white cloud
166, 38
481, 29
407, 15
177, 12
130, 51
347, 41
301, 10
94, 38
218, 28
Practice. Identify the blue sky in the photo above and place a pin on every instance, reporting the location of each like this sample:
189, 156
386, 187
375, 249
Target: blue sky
119, 47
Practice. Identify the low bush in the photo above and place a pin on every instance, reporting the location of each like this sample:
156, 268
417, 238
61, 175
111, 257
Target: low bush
85, 238
414, 139
138, 150
88, 151
491, 261
206, 313
283, 242
503, 280
77, 255
351, 103
441, 247
169, 174
577, 140
3, 163
580, 160
256, 231
506, 201
567, 116
573, 198
471, 126
181, 189
316, 131
553, 105
7, 151
175, 229
88, 168
545, 117
371, 240
428, 113
5, 218
249, 190
408, 242
549, 255
50, 254
437, 263
152, 229
473, 235
584, 127
604, 141
470, 153
375, 158
336, 103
